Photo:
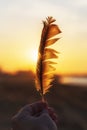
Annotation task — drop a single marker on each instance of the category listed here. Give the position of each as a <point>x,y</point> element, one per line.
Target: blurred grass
<point>69,102</point>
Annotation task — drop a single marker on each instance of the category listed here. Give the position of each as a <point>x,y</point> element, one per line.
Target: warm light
<point>31,55</point>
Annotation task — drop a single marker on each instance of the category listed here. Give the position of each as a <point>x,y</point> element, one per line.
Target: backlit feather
<point>45,65</point>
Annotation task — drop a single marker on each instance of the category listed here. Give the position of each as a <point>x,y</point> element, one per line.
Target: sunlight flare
<point>31,55</point>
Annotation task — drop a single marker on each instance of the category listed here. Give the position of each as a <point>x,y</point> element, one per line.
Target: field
<point>69,102</point>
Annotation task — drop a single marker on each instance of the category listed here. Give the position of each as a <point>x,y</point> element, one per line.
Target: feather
<point>45,68</point>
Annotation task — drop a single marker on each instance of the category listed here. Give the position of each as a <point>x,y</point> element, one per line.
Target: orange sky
<point>20,30</point>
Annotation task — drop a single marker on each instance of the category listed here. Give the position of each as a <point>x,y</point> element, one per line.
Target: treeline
<point>20,84</point>
<point>20,78</point>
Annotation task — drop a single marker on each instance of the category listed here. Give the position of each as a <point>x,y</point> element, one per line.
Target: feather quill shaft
<point>45,66</point>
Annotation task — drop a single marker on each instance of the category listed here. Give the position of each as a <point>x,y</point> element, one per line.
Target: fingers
<point>52,114</point>
<point>38,112</point>
<point>37,108</point>
<point>45,120</point>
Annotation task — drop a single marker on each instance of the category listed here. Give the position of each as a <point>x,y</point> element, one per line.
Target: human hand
<point>36,116</point>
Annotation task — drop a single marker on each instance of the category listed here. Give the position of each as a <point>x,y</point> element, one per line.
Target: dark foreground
<point>69,102</point>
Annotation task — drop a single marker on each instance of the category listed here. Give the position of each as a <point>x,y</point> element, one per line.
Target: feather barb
<point>45,67</point>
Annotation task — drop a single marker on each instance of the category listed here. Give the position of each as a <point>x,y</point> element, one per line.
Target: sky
<point>20,31</point>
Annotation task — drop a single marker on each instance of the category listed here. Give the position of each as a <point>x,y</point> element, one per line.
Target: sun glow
<point>31,55</point>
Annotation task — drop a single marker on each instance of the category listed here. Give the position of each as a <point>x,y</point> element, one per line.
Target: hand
<point>36,116</point>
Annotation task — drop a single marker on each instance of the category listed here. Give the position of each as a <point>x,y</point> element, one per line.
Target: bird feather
<point>45,68</point>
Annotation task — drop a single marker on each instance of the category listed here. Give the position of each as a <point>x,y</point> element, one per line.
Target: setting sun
<point>31,55</point>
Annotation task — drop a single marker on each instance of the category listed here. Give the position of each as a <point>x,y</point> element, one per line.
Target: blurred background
<point>20,31</point>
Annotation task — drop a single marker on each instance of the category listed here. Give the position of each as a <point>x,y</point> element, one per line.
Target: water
<point>80,81</point>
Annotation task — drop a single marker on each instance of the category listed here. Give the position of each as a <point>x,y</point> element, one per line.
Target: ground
<point>69,102</point>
